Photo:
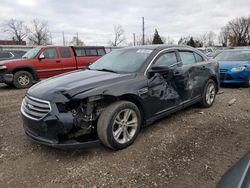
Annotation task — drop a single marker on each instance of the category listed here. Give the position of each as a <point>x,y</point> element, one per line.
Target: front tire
<point>22,79</point>
<point>209,94</point>
<point>248,82</point>
<point>119,125</point>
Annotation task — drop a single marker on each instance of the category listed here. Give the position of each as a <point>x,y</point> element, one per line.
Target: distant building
<point>12,42</point>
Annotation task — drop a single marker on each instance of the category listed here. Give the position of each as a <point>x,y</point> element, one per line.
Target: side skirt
<point>181,106</point>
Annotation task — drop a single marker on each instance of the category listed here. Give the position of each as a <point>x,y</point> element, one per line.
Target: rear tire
<point>22,79</point>
<point>209,94</point>
<point>119,125</point>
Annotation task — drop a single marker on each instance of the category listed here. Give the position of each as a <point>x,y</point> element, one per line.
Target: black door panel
<point>162,92</point>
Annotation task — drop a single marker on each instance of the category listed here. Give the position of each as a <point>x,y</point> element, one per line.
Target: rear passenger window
<point>187,58</point>
<point>167,59</point>
<point>65,53</point>
<point>100,52</point>
<point>80,52</point>
<point>91,52</point>
<point>198,58</point>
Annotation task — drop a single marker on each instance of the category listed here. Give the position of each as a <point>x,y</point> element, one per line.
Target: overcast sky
<point>94,19</point>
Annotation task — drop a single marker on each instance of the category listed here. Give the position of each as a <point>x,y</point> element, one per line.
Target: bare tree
<point>167,40</point>
<point>76,41</point>
<point>223,36</point>
<point>203,39</point>
<point>206,39</point>
<point>16,29</point>
<point>147,41</point>
<point>119,36</point>
<point>211,37</point>
<point>39,33</point>
<point>237,32</point>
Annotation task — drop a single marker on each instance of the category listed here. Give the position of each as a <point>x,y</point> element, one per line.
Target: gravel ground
<point>191,148</point>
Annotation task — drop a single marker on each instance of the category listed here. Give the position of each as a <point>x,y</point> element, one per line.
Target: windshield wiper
<point>105,70</point>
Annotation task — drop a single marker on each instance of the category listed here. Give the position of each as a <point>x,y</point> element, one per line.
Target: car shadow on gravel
<point>5,87</point>
<point>195,108</point>
<point>232,86</point>
<point>100,149</point>
<point>76,153</point>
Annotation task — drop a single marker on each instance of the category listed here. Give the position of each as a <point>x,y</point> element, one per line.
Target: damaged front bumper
<point>6,78</point>
<point>70,144</point>
<point>53,129</point>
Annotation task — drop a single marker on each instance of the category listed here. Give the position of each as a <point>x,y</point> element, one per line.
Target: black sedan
<point>118,94</point>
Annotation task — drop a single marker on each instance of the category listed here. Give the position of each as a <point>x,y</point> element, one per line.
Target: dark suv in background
<point>6,55</point>
<point>118,94</point>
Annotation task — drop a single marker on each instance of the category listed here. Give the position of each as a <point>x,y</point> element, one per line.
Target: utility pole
<point>143,32</point>
<point>134,38</point>
<point>51,38</point>
<point>77,40</point>
<point>63,38</point>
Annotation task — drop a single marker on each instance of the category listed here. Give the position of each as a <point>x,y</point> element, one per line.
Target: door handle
<point>58,61</point>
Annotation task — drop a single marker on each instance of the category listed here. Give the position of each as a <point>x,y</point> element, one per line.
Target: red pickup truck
<point>44,62</point>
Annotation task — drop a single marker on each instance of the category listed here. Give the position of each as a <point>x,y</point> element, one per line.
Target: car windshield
<point>122,61</point>
<point>240,55</point>
<point>31,53</point>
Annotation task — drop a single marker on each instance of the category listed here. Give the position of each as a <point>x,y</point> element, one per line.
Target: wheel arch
<point>213,77</point>
<point>29,69</point>
<point>109,99</point>
<point>137,101</point>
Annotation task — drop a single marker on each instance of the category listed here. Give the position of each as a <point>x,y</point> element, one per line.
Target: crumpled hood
<point>71,84</point>
<point>232,64</point>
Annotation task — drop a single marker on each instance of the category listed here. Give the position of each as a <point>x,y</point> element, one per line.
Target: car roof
<point>160,46</point>
<point>229,50</point>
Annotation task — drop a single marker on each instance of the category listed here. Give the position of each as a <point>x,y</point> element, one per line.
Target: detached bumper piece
<point>69,144</point>
<point>50,138</point>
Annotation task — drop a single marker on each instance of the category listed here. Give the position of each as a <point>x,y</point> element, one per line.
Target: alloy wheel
<point>124,126</point>
<point>210,94</point>
<point>23,80</point>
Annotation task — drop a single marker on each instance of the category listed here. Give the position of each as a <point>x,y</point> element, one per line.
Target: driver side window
<point>167,59</point>
<point>50,53</point>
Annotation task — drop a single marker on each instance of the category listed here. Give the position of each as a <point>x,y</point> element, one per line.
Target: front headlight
<point>3,67</point>
<point>238,69</point>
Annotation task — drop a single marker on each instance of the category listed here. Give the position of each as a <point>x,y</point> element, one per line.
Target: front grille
<point>222,76</point>
<point>34,108</point>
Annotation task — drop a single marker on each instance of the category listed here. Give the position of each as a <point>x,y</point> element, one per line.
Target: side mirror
<point>161,69</point>
<point>41,56</point>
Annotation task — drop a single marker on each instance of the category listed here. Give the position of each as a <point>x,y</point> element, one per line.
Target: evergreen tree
<point>191,42</point>
<point>157,39</point>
